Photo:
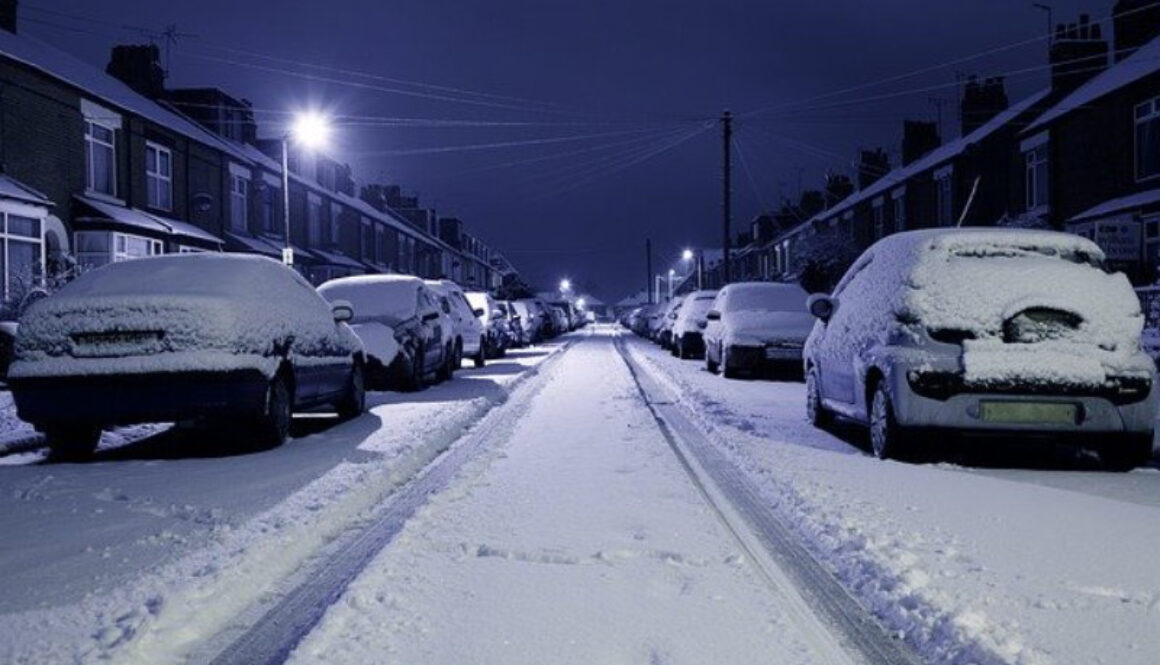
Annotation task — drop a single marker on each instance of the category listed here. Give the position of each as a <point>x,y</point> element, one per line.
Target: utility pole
<point>648,273</point>
<point>727,194</point>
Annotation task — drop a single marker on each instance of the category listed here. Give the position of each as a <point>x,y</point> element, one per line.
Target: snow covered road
<point>580,539</point>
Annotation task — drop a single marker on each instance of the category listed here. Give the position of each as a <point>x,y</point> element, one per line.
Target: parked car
<point>531,321</point>
<point>690,324</point>
<point>515,323</point>
<point>494,321</point>
<point>468,329</point>
<point>668,318</point>
<point>984,332</point>
<point>224,338</point>
<point>406,336</point>
<point>560,323</point>
<point>754,326</point>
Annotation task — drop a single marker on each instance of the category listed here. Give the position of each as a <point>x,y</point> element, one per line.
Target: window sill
<point>101,196</point>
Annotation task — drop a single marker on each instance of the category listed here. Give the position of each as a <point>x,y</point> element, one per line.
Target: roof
<point>105,88</point>
<point>943,153</point>
<point>11,188</point>
<point>1122,204</point>
<point>267,246</point>
<point>337,259</point>
<point>145,221</point>
<point>1144,62</point>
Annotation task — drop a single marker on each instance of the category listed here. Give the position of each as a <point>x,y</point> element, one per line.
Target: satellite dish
<point>203,201</point>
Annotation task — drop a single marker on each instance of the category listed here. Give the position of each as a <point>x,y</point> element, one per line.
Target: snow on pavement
<point>580,540</point>
<point>968,565</point>
<point>157,543</point>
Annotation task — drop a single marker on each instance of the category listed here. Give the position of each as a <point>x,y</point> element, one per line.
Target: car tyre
<point>818,415</point>
<point>271,426</point>
<point>480,358</point>
<point>445,371</point>
<point>1127,452</point>
<point>888,439</point>
<point>354,402</point>
<point>710,366</point>
<point>727,371</point>
<point>418,362</point>
<point>72,441</point>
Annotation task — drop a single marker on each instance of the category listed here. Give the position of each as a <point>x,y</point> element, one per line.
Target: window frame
<point>1036,159</point>
<point>156,181</point>
<point>1150,116</point>
<point>91,141</point>
<point>240,197</point>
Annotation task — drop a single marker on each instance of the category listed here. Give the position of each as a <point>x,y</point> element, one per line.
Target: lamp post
<point>311,131</point>
<point>672,274</point>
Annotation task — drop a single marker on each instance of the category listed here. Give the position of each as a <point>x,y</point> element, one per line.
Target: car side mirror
<point>430,316</point>
<point>822,306</point>
<point>478,311</point>
<point>342,311</point>
<point>702,324</point>
<point>713,315</point>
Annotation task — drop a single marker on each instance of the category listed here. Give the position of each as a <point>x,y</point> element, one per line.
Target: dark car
<point>226,339</point>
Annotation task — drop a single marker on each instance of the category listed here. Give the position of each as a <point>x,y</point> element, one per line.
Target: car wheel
<point>819,416</point>
<point>354,402</point>
<point>1127,452</point>
<point>727,371</point>
<point>710,366</point>
<point>72,441</point>
<point>480,358</point>
<point>418,362</point>
<point>272,425</point>
<point>888,439</point>
<point>444,372</point>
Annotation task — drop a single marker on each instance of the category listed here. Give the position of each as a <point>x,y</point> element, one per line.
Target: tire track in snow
<point>780,559</point>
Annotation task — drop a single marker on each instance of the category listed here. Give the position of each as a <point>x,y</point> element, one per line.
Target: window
<point>1148,139</point>
<point>1035,176</point>
<point>380,245</point>
<point>239,187</point>
<point>878,216</point>
<point>899,197</point>
<point>335,217</point>
<point>314,220</point>
<point>97,248</point>
<point>944,199</point>
<point>21,253</point>
<point>100,158</point>
<point>366,240</point>
<point>158,177</point>
<point>269,197</point>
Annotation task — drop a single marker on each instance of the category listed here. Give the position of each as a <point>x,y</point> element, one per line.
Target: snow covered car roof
<point>765,296</point>
<point>389,297</point>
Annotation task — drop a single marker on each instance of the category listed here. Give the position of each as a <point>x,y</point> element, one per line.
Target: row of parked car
<point>239,343</point>
<point>971,334</point>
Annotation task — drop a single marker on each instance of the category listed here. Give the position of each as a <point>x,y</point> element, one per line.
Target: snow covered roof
<point>636,299</point>
<point>1145,61</point>
<point>337,259</point>
<point>1124,203</point>
<point>266,246</point>
<point>11,188</point>
<point>97,84</point>
<point>145,221</point>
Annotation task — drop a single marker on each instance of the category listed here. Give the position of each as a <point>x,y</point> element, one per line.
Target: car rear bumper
<point>692,343</point>
<point>126,399</point>
<point>966,412</point>
<point>756,358</point>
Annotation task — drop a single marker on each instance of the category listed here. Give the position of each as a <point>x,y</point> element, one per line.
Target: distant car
<point>469,331</point>
<point>754,326</point>
<point>487,310</point>
<point>560,322</point>
<point>515,324</point>
<point>531,321</point>
<point>668,318</point>
<point>225,338</point>
<point>397,317</point>
<point>690,324</point>
<point>984,332</point>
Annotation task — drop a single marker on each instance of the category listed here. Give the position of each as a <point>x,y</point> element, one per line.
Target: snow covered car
<point>222,338</point>
<point>469,333</point>
<point>530,321</point>
<point>398,319</point>
<point>493,320</point>
<point>668,318</point>
<point>984,332</point>
<point>515,323</point>
<point>754,326</point>
<point>690,325</point>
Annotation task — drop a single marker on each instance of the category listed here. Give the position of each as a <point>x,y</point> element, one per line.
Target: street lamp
<point>672,274</point>
<point>310,130</point>
<point>565,286</point>
<point>687,256</point>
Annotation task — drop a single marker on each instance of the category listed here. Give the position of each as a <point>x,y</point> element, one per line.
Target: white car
<point>754,326</point>
<point>469,330</point>
<point>688,329</point>
<point>221,338</point>
<point>984,333</point>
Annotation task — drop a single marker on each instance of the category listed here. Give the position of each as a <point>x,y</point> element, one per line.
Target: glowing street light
<point>311,130</point>
<point>565,286</point>
<point>687,255</point>
<point>580,304</point>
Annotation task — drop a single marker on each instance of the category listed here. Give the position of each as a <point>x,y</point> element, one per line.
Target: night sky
<point>604,99</point>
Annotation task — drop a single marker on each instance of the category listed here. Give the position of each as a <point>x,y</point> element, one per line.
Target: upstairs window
<point>878,215</point>
<point>944,199</point>
<point>1148,139</point>
<point>158,177</point>
<point>1035,177</point>
<point>239,196</point>
<point>100,158</point>
<point>314,221</point>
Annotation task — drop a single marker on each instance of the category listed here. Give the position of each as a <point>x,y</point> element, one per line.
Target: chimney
<point>1136,23</point>
<point>918,138</point>
<point>872,165</point>
<point>838,187</point>
<point>811,203</point>
<point>1077,53</point>
<point>139,67</point>
<point>8,15</point>
<point>981,102</point>
<point>762,229</point>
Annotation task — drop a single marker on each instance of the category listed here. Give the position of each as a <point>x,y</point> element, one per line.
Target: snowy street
<point>536,510</point>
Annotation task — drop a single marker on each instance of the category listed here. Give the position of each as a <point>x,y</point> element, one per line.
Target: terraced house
<point>102,166</point>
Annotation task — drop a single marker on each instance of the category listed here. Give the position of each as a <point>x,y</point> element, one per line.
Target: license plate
<point>1029,413</point>
<point>781,353</point>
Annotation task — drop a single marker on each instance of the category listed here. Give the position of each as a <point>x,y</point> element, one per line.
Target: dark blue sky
<point>639,74</point>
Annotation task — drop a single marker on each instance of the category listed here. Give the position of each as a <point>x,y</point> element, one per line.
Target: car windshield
<point>213,275</point>
<point>389,301</point>
<point>767,298</point>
